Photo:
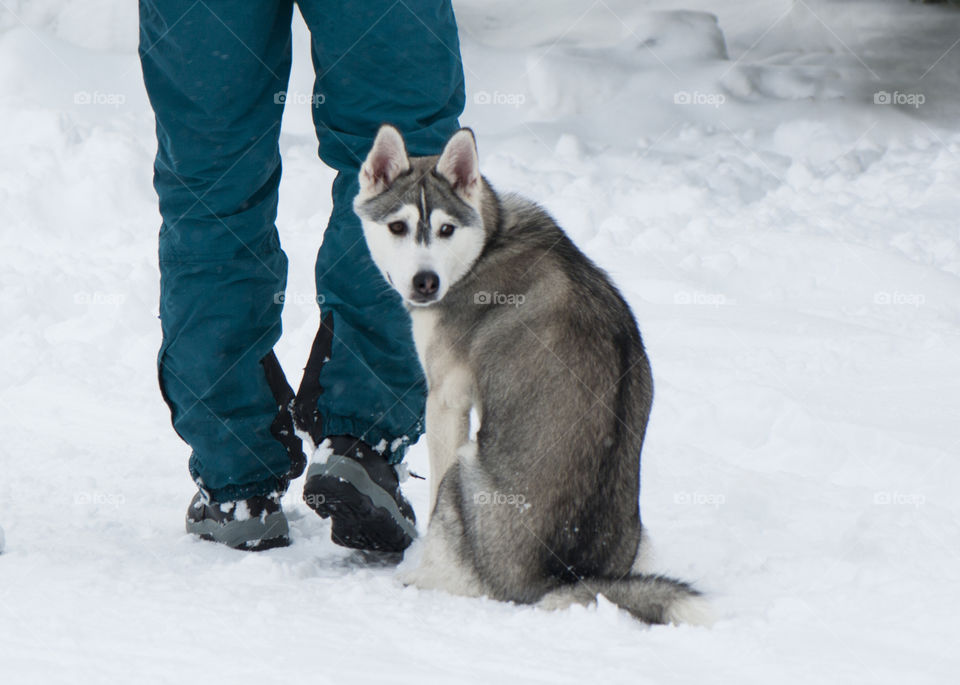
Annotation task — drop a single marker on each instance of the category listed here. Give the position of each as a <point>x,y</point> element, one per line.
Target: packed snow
<point>772,184</point>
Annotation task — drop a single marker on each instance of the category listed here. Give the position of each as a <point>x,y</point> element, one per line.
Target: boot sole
<point>252,545</point>
<point>251,535</point>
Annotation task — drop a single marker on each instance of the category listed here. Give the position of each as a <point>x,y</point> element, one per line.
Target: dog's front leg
<point>448,423</point>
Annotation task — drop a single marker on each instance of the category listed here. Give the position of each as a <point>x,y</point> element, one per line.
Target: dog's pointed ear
<point>460,165</point>
<point>387,160</point>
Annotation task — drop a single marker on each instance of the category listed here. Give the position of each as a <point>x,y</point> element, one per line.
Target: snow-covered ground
<point>776,192</point>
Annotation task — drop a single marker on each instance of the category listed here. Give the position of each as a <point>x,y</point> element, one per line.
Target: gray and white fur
<point>512,321</point>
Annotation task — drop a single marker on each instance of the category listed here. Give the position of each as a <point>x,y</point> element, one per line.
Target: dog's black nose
<point>426,283</point>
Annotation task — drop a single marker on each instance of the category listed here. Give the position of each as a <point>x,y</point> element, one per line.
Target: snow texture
<point>774,188</point>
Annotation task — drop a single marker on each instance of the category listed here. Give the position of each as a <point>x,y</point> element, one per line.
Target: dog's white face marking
<point>401,257</point>
<point>425,231</point>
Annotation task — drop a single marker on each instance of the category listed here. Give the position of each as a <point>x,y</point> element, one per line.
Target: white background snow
<point>787,238</point>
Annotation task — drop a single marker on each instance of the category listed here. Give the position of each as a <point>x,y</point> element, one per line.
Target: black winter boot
<point>360,491</point>
<point>253,524</point>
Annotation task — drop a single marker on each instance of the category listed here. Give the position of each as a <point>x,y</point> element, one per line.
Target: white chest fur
<point>424,334</point>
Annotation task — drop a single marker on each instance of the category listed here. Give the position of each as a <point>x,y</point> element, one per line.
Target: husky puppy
<point>512,321</point>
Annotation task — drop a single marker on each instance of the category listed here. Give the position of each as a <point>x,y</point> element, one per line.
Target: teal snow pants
<point>216,73</point>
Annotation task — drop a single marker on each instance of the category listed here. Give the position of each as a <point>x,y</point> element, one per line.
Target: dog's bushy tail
<point>650,598</point>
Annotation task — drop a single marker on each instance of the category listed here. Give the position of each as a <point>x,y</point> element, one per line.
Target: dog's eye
<point>397,227</point>
<point>446,230</point>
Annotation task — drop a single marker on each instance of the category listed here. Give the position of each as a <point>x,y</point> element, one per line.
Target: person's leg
<point>376,62</point>
<point>212,72</point>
